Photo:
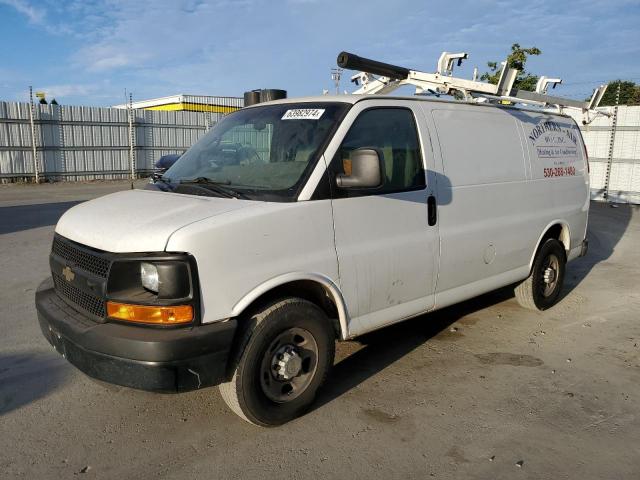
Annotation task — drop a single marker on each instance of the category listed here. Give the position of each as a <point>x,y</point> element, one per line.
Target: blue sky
<point>88,52</point>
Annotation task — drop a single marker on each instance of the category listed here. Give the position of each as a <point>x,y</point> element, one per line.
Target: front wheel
<point>285,353</point>
<point>541,289</point>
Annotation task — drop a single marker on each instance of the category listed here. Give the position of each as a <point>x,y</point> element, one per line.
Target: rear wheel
<point>285,354</point>
<point>542,288</point>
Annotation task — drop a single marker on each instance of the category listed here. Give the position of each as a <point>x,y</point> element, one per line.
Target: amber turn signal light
<point>172,315</point>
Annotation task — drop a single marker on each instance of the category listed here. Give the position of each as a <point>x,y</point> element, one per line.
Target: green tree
<point>629,93</point>
<point>517,59</point>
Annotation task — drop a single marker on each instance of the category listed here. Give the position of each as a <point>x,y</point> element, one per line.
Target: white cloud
<point>98,93</point>
<point>136,34</point>
<point>35,15</point>
<point>71,90</point>
<point>108,63</point>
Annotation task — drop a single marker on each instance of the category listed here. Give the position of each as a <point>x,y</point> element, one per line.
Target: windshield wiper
<point>160,178</point>
<point>221,188</point>
<point>166,182</point>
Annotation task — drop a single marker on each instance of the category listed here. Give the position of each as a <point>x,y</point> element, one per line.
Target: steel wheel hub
<point>286,363</point>
<point>549,275</point>
<point>550,270</point>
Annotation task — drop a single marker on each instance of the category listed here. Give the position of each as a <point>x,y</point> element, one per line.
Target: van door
<point>484,223</point>
<point>387,251</point>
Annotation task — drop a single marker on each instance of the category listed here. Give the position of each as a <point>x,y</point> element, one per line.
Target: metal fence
<point>613,144</point>
<point>87,143</point>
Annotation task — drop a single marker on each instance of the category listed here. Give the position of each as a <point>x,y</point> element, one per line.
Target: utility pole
<point>33,135</point>
<point>614,123</point>
<point>336,74</point>
<point>61,121</point>
<point>132,133</point>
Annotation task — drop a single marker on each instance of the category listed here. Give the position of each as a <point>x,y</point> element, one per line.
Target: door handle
<point>432,210</point>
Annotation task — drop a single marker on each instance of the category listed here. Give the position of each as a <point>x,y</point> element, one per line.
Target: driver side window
<point>392,132</point>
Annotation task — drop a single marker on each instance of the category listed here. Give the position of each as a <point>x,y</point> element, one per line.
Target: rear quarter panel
<point>559,186</point>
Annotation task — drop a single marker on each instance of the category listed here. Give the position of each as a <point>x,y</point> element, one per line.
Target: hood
<point>138,220</point>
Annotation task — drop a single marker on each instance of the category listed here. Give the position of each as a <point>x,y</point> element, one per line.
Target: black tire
<point>537,292</point>
<point>296,328</point>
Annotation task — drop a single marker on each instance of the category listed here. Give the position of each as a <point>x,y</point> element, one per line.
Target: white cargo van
<point>298,222</point>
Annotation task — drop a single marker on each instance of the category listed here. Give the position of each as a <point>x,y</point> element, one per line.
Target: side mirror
<point>365,170</point>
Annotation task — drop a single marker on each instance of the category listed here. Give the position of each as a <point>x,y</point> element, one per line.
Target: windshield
<point>263,152</point>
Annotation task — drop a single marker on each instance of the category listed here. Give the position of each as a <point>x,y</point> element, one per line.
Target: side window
<point>392,132</point>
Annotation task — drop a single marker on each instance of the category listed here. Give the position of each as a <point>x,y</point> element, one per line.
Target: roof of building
<point>180,98</point>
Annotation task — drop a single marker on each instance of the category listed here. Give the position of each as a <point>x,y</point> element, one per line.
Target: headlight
<point>157,289</point>
<point>149,276</point>
<point>150,279</point>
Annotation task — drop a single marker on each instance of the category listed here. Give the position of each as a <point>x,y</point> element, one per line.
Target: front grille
<point>83,259</point>
<point>87,302</point>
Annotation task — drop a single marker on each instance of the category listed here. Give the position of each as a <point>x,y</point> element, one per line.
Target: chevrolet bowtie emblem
<point>68,274</point>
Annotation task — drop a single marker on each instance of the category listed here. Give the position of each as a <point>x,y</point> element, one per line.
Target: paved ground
<point>481,390</point>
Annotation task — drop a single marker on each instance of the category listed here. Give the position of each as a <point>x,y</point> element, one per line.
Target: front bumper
<point>163,360</point>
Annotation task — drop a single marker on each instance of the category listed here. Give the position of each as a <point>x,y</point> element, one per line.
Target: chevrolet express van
<point>296,223</point>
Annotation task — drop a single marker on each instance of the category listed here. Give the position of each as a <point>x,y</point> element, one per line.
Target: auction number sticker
<point>303,114</point>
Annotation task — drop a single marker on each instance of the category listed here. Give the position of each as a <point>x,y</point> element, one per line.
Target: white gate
<point>623,159</point>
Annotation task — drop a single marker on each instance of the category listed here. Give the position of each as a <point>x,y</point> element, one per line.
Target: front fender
<point>330,287</point>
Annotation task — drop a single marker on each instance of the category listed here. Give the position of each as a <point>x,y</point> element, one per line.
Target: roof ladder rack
<point>381,78</point>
